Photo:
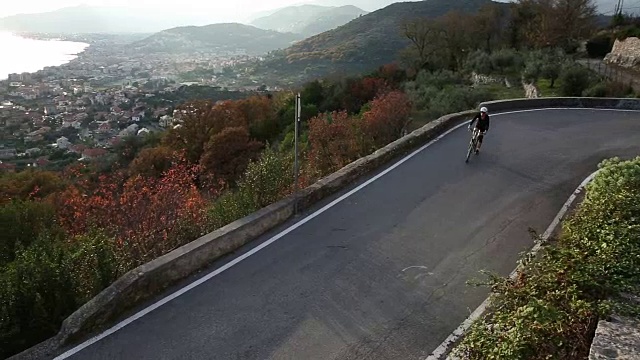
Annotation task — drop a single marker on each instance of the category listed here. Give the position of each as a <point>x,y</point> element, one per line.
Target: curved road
<point>381,275</point>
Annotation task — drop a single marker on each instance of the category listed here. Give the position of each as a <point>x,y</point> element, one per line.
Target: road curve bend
<point>382,274</point>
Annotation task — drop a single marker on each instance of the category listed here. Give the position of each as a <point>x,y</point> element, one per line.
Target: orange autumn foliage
<point>387,118</point>
<point>227,154</point>
<point>200,121</point>
<point>335,140</point>
<point>142,213</point>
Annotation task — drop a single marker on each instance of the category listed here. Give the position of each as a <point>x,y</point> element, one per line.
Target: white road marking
<point>445,347</point>
<point>415,267</point>
<point>303,221</point>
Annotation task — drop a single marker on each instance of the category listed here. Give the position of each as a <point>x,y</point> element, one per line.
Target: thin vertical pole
<point>297,121</point>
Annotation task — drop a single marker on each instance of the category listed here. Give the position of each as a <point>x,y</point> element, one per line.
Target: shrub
<point>37,292</point>
<point>21,222</point>
<point>444,92</point>
<point>456,99</point>
<point>96,262</point>
<point>543,63</point>
<point>29,184</point>
<point>618,89</point>
<point>575,80</point>
<point>229,207</point>
<point>609,89</point>
<point>48,281</point>
<point>421,96</point>
<point>532,70</point>
<point>480,62</point>
<point>597,90</point>
<point>507,61</point>
<point>599,46</point>
<point>268,179</point>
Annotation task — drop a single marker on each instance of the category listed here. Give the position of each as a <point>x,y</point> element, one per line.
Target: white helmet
<point>484,110</point>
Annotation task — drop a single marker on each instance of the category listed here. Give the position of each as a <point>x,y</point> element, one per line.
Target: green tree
<point>575,80</point>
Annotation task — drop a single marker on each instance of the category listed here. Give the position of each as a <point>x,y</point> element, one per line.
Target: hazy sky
<point>233,10</point>
<point>228,7</point>
<point>234,7</point>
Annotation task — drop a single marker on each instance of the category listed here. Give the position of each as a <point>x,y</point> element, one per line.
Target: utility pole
<point>295,163</point>
<point>617,13</point>
<point>618,9</point>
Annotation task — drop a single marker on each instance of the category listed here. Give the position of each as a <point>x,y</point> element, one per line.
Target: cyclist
<point>482,125</point>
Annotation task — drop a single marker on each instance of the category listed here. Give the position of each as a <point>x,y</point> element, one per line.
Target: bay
<point>18,54</point>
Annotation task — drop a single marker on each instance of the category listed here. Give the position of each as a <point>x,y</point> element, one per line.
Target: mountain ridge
<point>308,19</point>
<point>222,37</point>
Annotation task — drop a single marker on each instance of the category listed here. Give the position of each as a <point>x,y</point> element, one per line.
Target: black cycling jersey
<point>482,124</point>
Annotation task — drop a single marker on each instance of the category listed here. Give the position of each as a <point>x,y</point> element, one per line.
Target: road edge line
<point>447,345</point>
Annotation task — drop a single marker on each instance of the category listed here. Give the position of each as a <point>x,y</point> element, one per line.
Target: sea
<point>29,55</point>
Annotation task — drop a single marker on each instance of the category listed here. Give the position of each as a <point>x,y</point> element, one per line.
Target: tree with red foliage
<point>387,118</point>
<point>262,117</point>
<point>145,214</point>
<point>363,91</point>
<point>227,154</point>
<point>200,121</point>
<point>29,184</point>
<point>335,140</point>
<point>152,162</point>
<point>392,74</point>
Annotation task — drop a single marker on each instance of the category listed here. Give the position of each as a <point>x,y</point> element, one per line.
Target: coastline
<point>65,50</point>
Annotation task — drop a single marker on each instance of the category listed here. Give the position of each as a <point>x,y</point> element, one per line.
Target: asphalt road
<point>382,274</point>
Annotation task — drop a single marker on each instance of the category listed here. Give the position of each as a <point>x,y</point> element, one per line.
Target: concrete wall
<point>150,279</point>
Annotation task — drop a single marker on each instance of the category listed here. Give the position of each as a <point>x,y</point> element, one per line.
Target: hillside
<point>308,20</point>
<point>231,37</point>
<point>362,44</point>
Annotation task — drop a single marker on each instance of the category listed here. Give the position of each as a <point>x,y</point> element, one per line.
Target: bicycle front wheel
<point>469,152</point>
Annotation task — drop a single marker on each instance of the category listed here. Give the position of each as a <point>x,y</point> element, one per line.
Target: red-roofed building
<point>4,167</point>
<point>104,127</point>
<point>94,153</point>
<point>78,149</point>
<point>115,141</point>
<point>41,161</point>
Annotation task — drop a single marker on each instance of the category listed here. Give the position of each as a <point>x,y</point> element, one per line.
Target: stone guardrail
<point>148,280</point>
<point>567,102</point>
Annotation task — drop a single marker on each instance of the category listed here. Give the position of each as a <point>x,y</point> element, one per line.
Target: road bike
<point>473,144</point>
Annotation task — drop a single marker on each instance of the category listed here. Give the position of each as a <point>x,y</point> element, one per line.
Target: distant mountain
<point>308,20</point>
<point>361,45</point>
<point>231,37</point>
<point>369,5</point>
<point>103,19</point>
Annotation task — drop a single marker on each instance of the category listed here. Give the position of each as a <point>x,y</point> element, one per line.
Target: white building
<point>63,143</point>
<point>166,121</point>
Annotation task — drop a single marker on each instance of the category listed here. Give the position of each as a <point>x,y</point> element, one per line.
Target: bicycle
<point>473,144</point>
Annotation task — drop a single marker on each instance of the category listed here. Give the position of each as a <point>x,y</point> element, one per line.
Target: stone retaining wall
<point>625,52</point>
<point>617,337</point>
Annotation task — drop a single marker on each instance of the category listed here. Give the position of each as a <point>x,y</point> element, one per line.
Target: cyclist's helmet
<point>484,110</point>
